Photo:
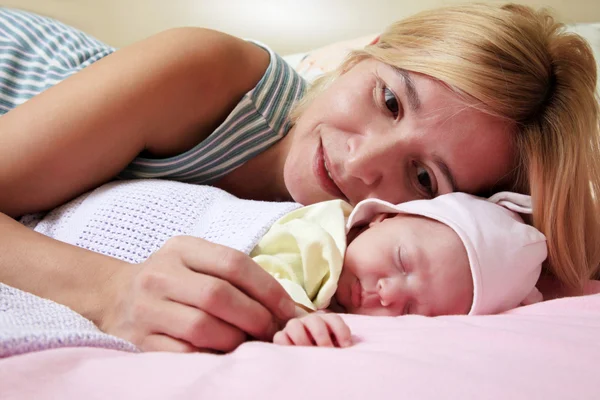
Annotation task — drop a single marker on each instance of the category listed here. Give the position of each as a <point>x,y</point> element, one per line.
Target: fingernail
<point>287,309</point>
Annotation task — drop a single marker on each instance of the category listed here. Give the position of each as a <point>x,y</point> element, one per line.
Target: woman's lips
<point>323,178</point>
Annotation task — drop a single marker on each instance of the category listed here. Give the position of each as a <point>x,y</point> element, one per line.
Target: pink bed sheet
<point>549,350</point>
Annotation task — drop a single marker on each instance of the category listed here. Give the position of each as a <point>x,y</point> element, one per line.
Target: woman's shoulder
<point>277,91</point>
<point>259,119</point>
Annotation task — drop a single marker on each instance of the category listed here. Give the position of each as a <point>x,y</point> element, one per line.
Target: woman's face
<point>398,136</point>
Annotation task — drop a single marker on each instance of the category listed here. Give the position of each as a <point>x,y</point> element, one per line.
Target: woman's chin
<point>304,194</point>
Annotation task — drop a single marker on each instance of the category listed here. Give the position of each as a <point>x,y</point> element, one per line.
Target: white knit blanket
<point>128,220</point>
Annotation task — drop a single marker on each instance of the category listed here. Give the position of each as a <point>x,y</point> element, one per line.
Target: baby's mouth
<point>356,294</point>
<point>368,299</point>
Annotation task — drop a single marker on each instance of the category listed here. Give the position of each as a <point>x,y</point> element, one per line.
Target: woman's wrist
<point>97,295</point>
<point>77,278</point>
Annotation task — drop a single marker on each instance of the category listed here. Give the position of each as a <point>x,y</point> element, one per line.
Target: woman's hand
<point>315,329</point>
<point>195,295</point>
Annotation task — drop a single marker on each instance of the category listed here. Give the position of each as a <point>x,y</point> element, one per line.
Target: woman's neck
<point>261,178</point>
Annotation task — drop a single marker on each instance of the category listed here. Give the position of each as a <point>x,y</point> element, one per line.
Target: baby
<point>455,254</point>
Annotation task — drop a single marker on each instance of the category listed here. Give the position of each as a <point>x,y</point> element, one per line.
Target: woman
<point>475,99</point>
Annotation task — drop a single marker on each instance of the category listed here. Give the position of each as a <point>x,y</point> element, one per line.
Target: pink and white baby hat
<point>505,254</point>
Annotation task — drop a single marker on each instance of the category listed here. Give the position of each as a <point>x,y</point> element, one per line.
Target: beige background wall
<point>286,25</point>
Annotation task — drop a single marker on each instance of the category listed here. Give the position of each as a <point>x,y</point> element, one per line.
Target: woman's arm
<point>55,270</point>
<point>190,295</point>
<point>163,95</point>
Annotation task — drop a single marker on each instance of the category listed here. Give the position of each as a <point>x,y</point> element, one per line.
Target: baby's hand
<point>316,329</point>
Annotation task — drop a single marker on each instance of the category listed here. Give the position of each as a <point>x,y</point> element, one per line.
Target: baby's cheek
<point>353,258</point>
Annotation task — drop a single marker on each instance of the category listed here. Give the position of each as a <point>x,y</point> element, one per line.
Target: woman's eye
<point>424,179</point>
<point>391,102</point>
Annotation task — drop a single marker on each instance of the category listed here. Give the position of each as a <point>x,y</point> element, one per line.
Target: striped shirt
<point>258,121</point>
<point>37,52</point>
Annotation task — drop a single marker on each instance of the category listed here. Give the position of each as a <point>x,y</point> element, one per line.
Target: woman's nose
<point>363,160</point>
<point>370,158</point>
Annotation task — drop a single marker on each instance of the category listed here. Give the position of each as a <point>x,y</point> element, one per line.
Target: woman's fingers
<point>147,312</point>
<point>236,268</point>
<point>207,295</point>
<point>223,302</point>
<point>196,327</point>
<point>158,342</point>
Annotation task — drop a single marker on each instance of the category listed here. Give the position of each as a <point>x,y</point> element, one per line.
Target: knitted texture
<point>128,220</point>
<point>29,323</point>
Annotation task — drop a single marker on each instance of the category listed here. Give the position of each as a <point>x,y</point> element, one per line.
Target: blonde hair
<point>521,65</point>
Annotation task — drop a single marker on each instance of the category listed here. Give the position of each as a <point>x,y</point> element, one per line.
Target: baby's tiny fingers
<point>296,332</point>
<point>281,338</point>
<point>339,330</point>
<point>319,330</point>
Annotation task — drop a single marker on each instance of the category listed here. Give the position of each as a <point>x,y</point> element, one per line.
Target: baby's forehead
<point>429,232</point>
<point>416,220</point>
<point>437,252</point>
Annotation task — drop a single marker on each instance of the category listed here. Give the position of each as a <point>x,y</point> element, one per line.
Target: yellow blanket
<point>304,250</point>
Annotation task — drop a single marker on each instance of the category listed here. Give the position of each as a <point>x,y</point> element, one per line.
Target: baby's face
<point>405,264</point>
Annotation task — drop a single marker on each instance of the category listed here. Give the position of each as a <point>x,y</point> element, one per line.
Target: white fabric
<point>30,323</point>
<point>130,220</point>
<point>505,254</point>
<point>520,203</point>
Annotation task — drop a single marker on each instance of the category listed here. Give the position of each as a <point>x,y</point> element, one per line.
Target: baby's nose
<point>383,290</point>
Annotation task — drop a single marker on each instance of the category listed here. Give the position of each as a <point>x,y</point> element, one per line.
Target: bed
<point>547,350</point>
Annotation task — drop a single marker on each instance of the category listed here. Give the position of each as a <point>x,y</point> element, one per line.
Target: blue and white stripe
<point>258,121</point>
<point>38,52</point>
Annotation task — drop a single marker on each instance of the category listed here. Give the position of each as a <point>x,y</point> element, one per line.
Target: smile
<point>324,175</point>
<point>327,169</point>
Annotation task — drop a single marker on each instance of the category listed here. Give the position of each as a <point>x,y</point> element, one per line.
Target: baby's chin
<point>337,307</point>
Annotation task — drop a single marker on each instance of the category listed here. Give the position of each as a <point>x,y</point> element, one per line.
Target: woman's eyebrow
<point>409,86</point>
